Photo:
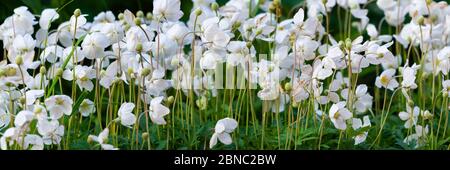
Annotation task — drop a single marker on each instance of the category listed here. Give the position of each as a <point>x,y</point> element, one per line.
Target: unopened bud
<point>348,43</point>
<point>140,14</point>
<point>139,47</point>
<point>170,100</point>
<point>42,70</point>
<point>420,20</point>
<point>145,135</point>
<point>130,71</point>
<point>249,45</point>
<point>145,72</point>
<point>410,103</point>
<point>22,100</point>
<point>294,104</point>
<point>19,60</point>
<point>434,18</point>
<point>288,86</point>
<point>120,16</point>
<point>198,12</point>
<point>236,25</point>
<point>259,31</point>
<point>272,7</point>
<point>77,12</point>
<point>137,21</point>
<point>320,17</point>
<point>214,6</point>
<point>90,139</point>
<point>59,72</point>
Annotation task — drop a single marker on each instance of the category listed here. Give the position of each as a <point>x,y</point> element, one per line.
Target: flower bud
<point>77,12</point>
<point>137,21</point>
<point>320,17</point>
<point>139,47</point>
<point>120,16</point>
<point>420,20</point>
<point>127,26</point>
<point>140,14</point>
<point>198,12</point>
<point>249,45</point>
<point>22,100</point>
<point>236,25</point>
<point>410,103</point>
<point>429,2</point>
<point>214,6</point>
<point>19,60</point>
<point>258,31</point>
<point>170,100</point>
<point>272,7</point>
<point>277,2</point>
<point>59,72</point>
<point>288,86</point>
<point>145,72</point>
<point>90,139</point>
<point>42,70</point>
<point>427,115</point>
<point>348,43</point>
<point>434,18</point>
<point>130,71</point>
<point>294,104</point>
<point>145,135</point>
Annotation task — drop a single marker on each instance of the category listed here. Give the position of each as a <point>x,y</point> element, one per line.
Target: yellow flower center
<point>384,80</point>
<point>336,115</point>
<point>59,101</point>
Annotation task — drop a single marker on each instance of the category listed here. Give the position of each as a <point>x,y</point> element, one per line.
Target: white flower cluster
<point>157,53</point>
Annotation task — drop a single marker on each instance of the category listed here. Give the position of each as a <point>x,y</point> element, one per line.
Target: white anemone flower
<point>358,124</point>
<point>32,95</point>
<point>23,117</point>
<point>222,131</point>
<point>363,99</point>
<point>86,107</point>
<point>83,76</point>
<point>410,116</point>
<point>420,137</point>
<point>339,115</point>
<point>35,141</point>
<point>94,45</point>
<point>409,77</point>
<point>158,111</point>
<point>47,16</point>
<point>102,139</point>
<point>446,87</point>
<point>58,105</point>
<point>167,9</point>
<point>50,131</point>
<point>125,116</point>
<point>387,80</point>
